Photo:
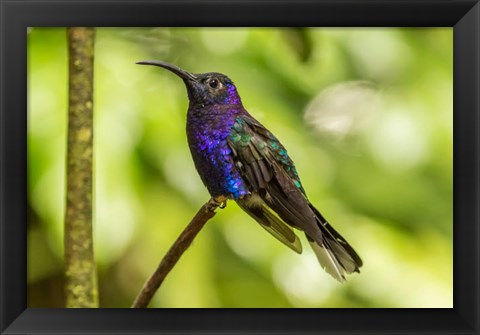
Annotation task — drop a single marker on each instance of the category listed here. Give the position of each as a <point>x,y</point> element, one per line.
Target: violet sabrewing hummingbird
<point>239,159</point>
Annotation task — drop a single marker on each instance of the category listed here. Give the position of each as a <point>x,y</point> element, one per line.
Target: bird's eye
<point>213,83</point>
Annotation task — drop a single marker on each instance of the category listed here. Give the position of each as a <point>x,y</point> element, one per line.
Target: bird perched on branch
<point>239,159</point>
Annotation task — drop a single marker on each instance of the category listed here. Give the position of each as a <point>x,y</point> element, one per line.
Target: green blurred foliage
<point>366,114</point>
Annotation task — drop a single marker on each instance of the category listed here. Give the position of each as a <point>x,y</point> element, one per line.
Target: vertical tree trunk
<point>80,270</point>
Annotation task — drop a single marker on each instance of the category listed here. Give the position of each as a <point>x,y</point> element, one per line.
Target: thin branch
<point>205,213</point>
<point>80,270</point>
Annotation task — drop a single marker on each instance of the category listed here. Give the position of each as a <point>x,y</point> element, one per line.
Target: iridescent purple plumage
<point>208,128</point>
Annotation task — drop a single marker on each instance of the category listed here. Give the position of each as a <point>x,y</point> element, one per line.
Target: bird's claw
<point>219,201</point>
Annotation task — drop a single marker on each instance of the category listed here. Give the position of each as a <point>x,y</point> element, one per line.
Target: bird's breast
<point>207,139</point>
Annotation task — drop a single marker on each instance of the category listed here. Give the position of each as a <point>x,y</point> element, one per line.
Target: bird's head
<point>203,88</point>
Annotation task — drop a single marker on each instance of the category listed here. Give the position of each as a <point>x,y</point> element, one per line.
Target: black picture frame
<point>17,15</point>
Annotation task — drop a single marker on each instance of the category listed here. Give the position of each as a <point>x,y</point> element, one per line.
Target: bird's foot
<point>220,201</point>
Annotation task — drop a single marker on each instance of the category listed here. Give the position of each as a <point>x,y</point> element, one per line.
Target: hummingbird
<point>239,159</point>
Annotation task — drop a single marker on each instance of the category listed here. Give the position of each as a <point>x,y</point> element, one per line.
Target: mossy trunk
<point>80,270</point>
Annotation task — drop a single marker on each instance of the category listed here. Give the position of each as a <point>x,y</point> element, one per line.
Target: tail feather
<point>328,260</point>
<point>269,220</point>
<point>334,253</point>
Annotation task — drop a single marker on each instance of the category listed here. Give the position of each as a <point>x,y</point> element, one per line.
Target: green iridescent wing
<point>265,166</point>
<point>259,148</point>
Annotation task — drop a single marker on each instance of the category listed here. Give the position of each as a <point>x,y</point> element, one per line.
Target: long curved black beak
<point>175,69</point>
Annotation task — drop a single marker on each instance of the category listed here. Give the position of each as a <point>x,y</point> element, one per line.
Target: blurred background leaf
<point>366,114</point>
